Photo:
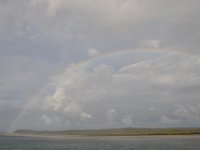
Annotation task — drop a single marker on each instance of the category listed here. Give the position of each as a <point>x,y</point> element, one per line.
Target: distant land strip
<point>116,132</point>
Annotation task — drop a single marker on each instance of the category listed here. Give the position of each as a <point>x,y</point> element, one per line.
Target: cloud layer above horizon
<point>99,64</point>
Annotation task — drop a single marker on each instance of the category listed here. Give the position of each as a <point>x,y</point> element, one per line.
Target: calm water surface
<point>101,143</point>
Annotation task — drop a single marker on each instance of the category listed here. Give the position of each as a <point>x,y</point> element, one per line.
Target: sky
<point>91,64</point>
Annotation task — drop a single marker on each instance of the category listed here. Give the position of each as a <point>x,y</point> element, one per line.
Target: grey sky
<point>68,64</point>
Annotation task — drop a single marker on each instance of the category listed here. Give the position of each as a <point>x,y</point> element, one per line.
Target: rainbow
<point>86,62</point>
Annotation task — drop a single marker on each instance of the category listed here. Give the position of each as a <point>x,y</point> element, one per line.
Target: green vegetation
<point>118,132</point>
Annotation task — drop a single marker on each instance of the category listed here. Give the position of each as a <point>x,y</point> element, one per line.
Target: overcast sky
<point>79,64</point>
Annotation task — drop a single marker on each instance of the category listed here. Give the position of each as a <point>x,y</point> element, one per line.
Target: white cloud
<point>76,88</point>
<point>153,43</point>
<point>188,113</point>
<point>46,119</point>
<point>165,120</point>
<point>170,69</point>
<point>93,52</point>
<point>127,120</point>
<point>111,116</point>
<point>55,120</point>
<point>79,90</point>
<point>55,33</point>
<point>85,116</point>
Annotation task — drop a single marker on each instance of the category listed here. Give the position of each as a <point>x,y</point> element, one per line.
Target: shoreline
<point>101,137</point>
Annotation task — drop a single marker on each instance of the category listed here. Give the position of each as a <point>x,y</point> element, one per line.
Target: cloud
<point>167,121</point>
<point>155,43</point>
<point>127,120</point>
<point>8,112</point>
<point>111,114</point>
<point>51,121</point>
<point>133,89</point>
<point>188,113</point>
<point>85,116</point>
<point>102,96</point>
<point>101,23</point>
<point>93,52</point>
<point>76,88</point>
<point>46,119</point>
<point>39,38</point>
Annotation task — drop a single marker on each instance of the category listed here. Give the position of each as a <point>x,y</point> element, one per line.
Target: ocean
<point>101,143</point>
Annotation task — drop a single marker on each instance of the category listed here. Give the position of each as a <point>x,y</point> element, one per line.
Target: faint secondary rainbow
<point>82,63</point>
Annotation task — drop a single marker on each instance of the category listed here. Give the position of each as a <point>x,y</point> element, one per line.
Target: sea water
<point>101,143</point>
